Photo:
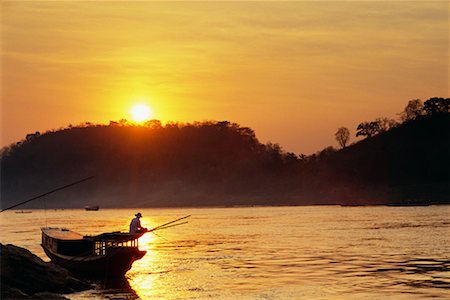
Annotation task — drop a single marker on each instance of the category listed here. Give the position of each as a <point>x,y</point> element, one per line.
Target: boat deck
<point>62,234</point>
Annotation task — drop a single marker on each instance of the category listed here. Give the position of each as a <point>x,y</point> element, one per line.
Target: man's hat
<point>138,215</point>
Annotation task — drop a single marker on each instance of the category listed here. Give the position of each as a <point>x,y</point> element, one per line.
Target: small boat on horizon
<point>108,255</point>
<point>92,207</point>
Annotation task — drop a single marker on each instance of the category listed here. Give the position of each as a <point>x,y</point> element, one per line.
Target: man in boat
<point>135,225</point>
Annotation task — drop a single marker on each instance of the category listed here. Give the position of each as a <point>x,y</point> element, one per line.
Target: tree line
<point>413,110</point>
<point>222,163</point>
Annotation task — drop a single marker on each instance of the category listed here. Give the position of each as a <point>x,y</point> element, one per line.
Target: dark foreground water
<point>320,252</point>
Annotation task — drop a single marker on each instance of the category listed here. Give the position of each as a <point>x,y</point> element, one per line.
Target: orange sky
<point>292,71</point>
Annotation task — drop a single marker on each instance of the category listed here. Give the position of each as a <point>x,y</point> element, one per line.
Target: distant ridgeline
<point>223,164</point>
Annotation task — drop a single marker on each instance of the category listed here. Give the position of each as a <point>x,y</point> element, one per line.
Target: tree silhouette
<point>413,109</point>
<point>155,124</point>
<point>123,122</point>
<point>386,123</point>
<point>368,129</point>
<point>342,136</point>
<point>436,106</point>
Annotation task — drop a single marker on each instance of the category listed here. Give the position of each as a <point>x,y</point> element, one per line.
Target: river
<point>305,252</point>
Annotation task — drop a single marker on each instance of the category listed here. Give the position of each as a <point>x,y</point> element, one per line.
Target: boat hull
<point>92,208</point>
<point>115,263</point>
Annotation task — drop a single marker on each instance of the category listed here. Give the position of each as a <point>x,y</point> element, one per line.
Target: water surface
<point>309,252</point>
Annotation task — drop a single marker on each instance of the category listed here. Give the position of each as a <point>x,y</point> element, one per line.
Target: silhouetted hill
<point>201,164</point>
<point>406,165</point>
<point>220,163</point>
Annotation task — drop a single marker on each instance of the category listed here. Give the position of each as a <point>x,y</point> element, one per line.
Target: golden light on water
<point>141,278</point>
<point>268,252</point>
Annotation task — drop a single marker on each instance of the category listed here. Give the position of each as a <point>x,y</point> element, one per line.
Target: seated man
<point>135,225</point>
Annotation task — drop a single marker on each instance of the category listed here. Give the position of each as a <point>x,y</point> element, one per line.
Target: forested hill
<point>221,164</point>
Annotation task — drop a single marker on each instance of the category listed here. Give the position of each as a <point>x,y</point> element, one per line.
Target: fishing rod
<point>163,226</point>
<point>160,236</point>
<point>45,194</point>
<point>173,225</point>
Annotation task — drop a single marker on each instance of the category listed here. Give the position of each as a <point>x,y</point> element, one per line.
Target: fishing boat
<point>108,255</point>
<point>92,207</point>
<point>105,256</point>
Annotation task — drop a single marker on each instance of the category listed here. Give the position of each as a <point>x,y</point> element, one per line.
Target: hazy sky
<point>292,71</point>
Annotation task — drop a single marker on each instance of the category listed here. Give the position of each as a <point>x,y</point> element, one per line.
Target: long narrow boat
<point>92,207</point>
<point>107,255</point>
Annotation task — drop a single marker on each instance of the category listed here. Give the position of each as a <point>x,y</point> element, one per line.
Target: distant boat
<point>92,207</point>
<point>108,255</point>
<point>23,212</point>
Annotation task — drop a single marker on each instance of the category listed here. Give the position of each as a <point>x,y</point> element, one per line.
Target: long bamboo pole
<point>173,225</point>
<point>45,194</point>
<point>171,222</point>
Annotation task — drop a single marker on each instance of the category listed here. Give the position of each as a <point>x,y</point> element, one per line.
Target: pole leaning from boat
<point>52,191</point>
<point>173,225</point>
<point>167,225</point>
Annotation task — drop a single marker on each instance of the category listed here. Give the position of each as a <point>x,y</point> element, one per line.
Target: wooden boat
<point>108,255</point>
<point>94,207</point>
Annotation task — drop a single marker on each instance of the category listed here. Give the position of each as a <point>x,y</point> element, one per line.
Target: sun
<point>141,112</point>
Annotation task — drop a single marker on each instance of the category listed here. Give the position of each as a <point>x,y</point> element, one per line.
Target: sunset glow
<point>287,149</point>
<point>141,112</point>
<point>278,67</point>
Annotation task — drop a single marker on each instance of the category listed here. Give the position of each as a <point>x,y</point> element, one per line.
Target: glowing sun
<point>141,112</point>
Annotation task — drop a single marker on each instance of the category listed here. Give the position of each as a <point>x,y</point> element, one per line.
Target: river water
<point>309,252</point>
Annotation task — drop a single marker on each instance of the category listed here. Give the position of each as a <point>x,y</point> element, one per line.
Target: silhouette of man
<point>135,225</point>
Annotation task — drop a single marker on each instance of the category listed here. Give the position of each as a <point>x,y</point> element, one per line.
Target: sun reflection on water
<point>141,277</point>
<point>268,253</point>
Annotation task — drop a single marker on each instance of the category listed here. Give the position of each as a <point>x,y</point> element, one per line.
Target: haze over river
<point>309,252</point>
